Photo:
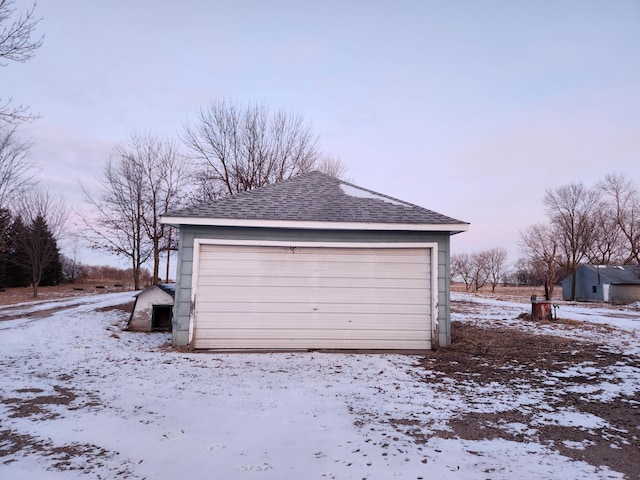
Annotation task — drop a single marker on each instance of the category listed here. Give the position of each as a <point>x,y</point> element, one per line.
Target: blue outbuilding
<point>618,284</point>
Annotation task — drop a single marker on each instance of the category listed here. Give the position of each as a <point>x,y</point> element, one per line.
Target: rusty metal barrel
<point>541,309</point>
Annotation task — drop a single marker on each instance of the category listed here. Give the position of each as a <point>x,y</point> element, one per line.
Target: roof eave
<point>313,225</point>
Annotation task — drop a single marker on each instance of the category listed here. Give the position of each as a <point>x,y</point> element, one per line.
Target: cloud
<point>66,158</point>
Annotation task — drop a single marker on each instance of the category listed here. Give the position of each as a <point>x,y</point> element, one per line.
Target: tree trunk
<point>547,295</point>
<point>156,261</point>
<point>136,275</point>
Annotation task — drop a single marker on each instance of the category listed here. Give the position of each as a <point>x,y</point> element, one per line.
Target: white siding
<point>623,294</point>
<point>306,297</point>
<point>143,308</point>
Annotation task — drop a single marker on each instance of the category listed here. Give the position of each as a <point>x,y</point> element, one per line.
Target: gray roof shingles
<point>617,274</point>
<point>316,197</point>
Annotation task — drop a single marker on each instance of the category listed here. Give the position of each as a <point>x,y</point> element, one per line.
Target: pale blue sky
<point>469,108</point>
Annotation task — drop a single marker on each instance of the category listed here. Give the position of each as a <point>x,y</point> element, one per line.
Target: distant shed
<point>618,284</point>
<point>153,309</point>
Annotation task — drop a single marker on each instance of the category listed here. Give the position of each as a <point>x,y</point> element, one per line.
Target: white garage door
<point>265,297</point>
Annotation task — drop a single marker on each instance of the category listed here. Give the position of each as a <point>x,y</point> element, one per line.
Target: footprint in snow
<point>255,468</point>
<point>179,435</point>
<point>215,446</point>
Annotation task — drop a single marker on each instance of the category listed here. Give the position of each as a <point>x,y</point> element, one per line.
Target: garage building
<point>312,262</point>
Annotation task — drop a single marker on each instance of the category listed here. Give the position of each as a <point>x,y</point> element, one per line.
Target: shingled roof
<point>317,198</point>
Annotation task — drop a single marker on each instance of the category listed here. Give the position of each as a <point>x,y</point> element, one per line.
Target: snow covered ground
<point>80,398</point>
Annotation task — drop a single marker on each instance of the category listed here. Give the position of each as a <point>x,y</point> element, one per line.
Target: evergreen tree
<point>29,254</point>
<point>40,249</point>
<point>52,273</point>
<point>15,254</point>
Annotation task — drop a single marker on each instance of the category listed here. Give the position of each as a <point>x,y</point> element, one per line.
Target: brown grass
<point>11,296</point>
<point>521,360</point>
<point>510,293</point>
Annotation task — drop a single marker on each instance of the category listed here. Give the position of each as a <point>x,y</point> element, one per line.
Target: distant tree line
<point>77,273</point>
<point>30,257</point>
<point>479,268</point>
<point>598,225</point>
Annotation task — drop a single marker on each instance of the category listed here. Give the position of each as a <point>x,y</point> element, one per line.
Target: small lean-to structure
<point>153,309</point>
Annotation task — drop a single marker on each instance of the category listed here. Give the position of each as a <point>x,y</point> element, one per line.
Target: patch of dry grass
<point>481,355</point>
<point>10,296</point>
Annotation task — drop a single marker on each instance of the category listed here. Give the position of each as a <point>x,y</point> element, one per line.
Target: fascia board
<point>306,225</point>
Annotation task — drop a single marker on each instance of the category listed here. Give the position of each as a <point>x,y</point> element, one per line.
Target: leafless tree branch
<point>16,167</point>
<point>238,149</point>
<point>17,45</point>
<point>570,209</point>
<point>144,178</point>
<point>623,200</point>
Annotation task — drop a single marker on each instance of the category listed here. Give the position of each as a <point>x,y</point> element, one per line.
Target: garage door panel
<point>319,294</point>
<point>306,344</point>
<point>341,324</point>
<point>310,254</point>
<point>303,309</point>
<point>310,338</point>
<point>280,297</point>
<point>236,277</point>
<point>292,269</point>
<point>339,320</point>
<point>297,265</point>
<point>303,332</point>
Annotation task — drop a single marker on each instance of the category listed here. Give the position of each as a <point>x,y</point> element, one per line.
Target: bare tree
<point>527,272</point>
<point>570,209</point>
<point>16,167</point>
<point>472,268</point>
<point>44,217</point>
<point>623,199</point>
<point>17,45</point>
<point>165,175</point>
<point>118,225</point>
<point>71,266</point>
<point>145,178</point>
<point>605,246</point>
<point>462,268</point>
<point>241,148</point>
<point>539,245</point>
<point>480,269</point>
<point>331,165</point>
<point>496,259</point>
